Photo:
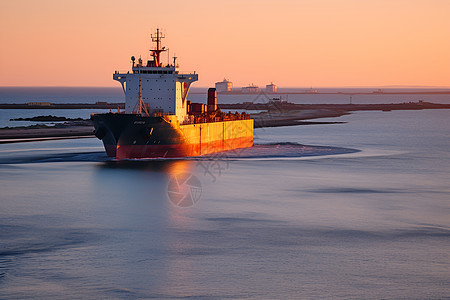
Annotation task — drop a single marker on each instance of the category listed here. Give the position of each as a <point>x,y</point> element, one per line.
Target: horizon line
<point>205,87</point>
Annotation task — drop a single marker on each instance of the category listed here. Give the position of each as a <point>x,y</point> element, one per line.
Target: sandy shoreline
<point>294,118</point>
<point>11,135</point>
<point>15,135</point>
<point>285,114</point>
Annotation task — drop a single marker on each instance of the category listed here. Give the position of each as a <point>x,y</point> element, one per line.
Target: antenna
<point>157,52</point>
<point>157,39</point>
<point>174,60</point>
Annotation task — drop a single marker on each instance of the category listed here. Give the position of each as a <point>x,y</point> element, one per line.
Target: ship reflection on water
<point>168,166</point>
<point>170,179</point>
<point>182,186</point>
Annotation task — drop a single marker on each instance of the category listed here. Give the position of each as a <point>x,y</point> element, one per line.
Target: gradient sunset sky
<point>303,43</point>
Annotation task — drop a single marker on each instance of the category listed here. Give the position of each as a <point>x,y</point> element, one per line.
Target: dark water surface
<point>355,210</point>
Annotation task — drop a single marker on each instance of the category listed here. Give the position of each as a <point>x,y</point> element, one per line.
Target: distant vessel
<point>224,86</point>
<point>159,121</point>
<point>271,88</point>
<point>250,89</point>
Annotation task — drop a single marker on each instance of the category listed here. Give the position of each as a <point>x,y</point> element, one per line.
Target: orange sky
<point>290,42</point>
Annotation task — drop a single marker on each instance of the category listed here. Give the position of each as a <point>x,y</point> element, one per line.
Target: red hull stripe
<point>180,150</point>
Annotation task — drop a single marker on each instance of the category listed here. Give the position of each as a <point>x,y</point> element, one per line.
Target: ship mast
<point>140,107</point>
<point>156,53</point>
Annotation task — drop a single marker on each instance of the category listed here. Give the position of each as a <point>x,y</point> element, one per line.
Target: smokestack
<point>212,100</point>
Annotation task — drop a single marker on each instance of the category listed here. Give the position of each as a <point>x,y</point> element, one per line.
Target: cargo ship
<point>160,122</point>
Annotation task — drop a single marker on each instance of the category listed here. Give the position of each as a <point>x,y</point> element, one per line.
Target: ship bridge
<point>162,89</point>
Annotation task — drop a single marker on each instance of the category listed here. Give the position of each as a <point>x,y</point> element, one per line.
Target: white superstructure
<point>271,88</point>
<point>224,86</point>
<point>162,88</point>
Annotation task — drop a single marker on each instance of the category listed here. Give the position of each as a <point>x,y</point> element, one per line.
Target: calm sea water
<point>357,211</point>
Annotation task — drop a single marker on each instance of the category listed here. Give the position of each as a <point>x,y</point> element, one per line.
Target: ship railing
<point>218,116</point>
<point>174,72</point>
<point>187,72</point>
